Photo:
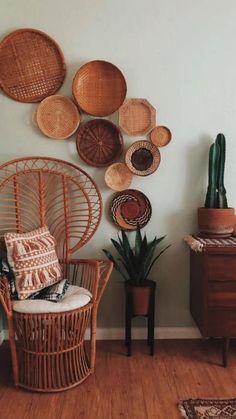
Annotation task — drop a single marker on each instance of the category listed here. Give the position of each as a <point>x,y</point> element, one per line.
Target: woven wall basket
<point>31,65</point>
<point>130,209</point>
<point>142,158</point>
<point>118,177</point>
<point>137,116</point>
<point>99,88</point>
<point>58,117</point>
<point>99,142</point>
<point>160,136</point>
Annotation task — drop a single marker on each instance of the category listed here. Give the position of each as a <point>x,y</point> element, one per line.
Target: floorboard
<point>136,387</point>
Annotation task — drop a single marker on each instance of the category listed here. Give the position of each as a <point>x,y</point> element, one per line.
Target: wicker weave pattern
<point>52,192</point>
<point>99,88</point>
<point>137,116</point>
<point>99,142</point>
<point>160,136</point>
<point>118,176</point>
<point>58,117</point>
<point>142,158</point>
<point>31,65</point>
<point>130,209</point>
<point>38,191</point>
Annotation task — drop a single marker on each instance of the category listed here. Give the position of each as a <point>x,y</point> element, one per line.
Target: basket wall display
<point>118,176</point>
<point>137,116</point>
<point>160,136</point>
<point>58,117</point>
<point>31,65</point>
<point>130,209</point>
<point>142,158</point>
<point>99,142</point>
<point>99,88</point>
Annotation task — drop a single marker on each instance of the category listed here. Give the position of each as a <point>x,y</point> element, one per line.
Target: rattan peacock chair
<point>48,350</point>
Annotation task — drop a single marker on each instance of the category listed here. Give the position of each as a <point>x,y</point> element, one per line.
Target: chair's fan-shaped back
<point>39,191</point>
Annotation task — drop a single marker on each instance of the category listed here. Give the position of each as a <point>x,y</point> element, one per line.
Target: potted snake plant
<point>134,265</point>
<point>216,219</point>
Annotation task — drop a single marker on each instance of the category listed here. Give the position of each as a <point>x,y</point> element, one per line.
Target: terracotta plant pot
<point>216,222</point>
<point>140,297</point>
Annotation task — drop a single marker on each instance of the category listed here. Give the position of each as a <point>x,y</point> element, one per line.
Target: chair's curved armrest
<point>5,298</point>
<point>92,274</point>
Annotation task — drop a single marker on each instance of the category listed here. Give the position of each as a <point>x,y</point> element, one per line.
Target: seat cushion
<point>33,259</point>
<point>75,297</point>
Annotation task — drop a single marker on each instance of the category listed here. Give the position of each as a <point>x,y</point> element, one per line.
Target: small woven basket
<point>142,158</point>
<point>160,136</point>
<point>99,88</point>
<point>58,117</point>
<point>32,65</point>
<point>118,177</point>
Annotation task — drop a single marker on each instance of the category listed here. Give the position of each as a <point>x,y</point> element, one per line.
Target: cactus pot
<point>216,222</point>
<point>140,297</point>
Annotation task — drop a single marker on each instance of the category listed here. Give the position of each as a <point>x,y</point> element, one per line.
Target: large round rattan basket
<point>31,65</point>
<point>99,88</point>
<point>58,117</point>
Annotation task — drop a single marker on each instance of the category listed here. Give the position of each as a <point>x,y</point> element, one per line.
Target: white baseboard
<point>137,333</point>
<point>2,336</point>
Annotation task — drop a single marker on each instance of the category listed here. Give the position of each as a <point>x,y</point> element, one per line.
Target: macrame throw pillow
<point>33,259</point>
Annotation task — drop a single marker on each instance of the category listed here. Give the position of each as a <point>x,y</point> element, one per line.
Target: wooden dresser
<point>213,292</point>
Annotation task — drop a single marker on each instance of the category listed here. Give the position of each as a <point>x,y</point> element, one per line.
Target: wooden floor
<point>136,387</point>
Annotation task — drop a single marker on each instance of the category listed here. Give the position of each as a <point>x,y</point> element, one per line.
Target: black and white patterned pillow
<point>6,271</point>
<point>52,293</point>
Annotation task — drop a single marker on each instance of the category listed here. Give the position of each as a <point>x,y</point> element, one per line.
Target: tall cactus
<point>216,193</point>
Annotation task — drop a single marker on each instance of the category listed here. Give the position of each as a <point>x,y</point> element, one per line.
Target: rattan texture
<point>50,355</point>
<point>142,158</point>
<point>137,116</point>
<point>99,142</point>
<point>52,192</point>
<point>32,65</point>
<point>99,88</point>
<point>58,117</point>
<point>130,209</point>
<point>160,136</point>
<point>118,177</point>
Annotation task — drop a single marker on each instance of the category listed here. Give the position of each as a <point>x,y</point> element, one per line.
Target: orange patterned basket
<point>118,176</point>
<point>58,117</point>
<point>99,142</point>
<point>137,116</point>
<point>130,209</point>
<point>99,88</point>
<point>31,65</point>
<point>160,136</point>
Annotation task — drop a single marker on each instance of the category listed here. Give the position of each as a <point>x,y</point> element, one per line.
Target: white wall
<point>180,55</point>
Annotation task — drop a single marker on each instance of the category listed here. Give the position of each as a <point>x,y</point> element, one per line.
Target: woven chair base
<point>52,355</point>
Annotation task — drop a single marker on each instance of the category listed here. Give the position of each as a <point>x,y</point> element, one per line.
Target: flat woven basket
<point>142,158</point>
<point>130,209</point>
<point>160,136</point>
<point>99,142</point>
<point>118,176</point>
<point>31,65</point>
<point>137,116</point>
<point>99,88</point>
<point>58,117</point>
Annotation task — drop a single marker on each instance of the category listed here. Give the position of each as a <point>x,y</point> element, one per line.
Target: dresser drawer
<point>221,294</point>
<point>221,267</point>
<point>221,322</point>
